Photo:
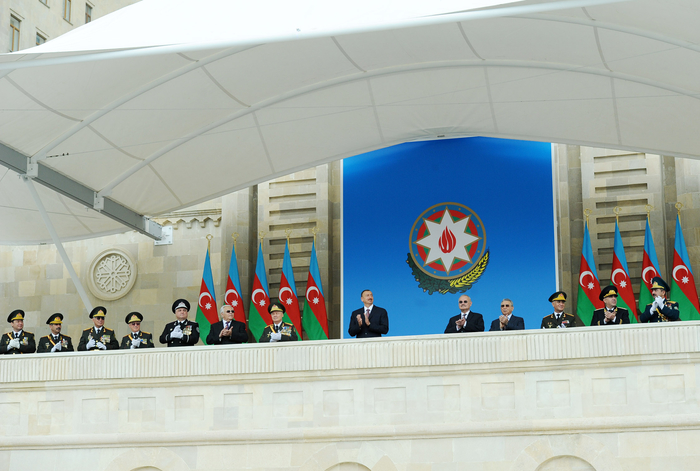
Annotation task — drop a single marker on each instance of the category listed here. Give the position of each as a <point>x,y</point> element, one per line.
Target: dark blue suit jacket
<point>515,323</point>
<point>378,323</point>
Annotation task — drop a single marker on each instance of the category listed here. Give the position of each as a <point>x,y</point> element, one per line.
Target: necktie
<point>367,312</point>
<point>227,324</point>
<point>277,328</point>
<point>55,339</point>
<point>16,335</point>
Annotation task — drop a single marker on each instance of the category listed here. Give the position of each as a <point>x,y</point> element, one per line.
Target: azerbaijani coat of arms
<point>447,249</point>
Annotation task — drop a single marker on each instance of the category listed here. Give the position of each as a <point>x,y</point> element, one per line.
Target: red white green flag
<point>207,313</point>
<point>232,297</point>
<point>314,317</point>
<point>588,283</point>
<point>288,292</point>
<point>650,269</point>
<point>258,317</point>
<point>620,276</point>
<point>683,289</point>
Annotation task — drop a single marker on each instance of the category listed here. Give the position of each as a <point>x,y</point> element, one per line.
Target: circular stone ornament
<point>112,274</point>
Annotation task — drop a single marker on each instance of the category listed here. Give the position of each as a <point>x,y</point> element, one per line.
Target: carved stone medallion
<point>112,274</point>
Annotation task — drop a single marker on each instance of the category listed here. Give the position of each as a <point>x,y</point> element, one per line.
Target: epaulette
<point>144,332</point>
<point>27,332</point>
<point>89,328</point>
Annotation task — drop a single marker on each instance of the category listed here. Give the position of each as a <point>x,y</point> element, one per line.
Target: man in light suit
<point>507,321</point>
<point>370,320</point>
<point>466,320</point>
<point>227,330</point>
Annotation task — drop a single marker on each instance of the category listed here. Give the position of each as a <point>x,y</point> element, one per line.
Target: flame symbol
<point>447,241</point>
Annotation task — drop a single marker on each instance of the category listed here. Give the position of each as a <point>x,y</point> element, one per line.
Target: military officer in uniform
<point>662,309</point>
<point>560,319</point>
<point>17,340</point>
<point>137,338</point>
<point>278,331</point>
<point>610,314</point>
<point>183,332</point>
<point>55,342</point>
<point>98,337</point>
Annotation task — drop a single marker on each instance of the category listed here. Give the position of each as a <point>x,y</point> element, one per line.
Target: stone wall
<point>602,398</point>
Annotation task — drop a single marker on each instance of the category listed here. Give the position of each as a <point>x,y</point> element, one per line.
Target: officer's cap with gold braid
<point>133,317</point>
<point>558,296</point>
<point>16,315</point>
<point>55,319</point>
<point>658,283</point>
<point>181,303</point>
<point>276,306</point>
<point>99,311</point>
<point>607,291</point>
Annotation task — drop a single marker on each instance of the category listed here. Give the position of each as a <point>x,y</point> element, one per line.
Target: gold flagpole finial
<point>587,212</point>
<point>287,232</point>
<point>234,236</point>
<point>648,209</point>
<point>617,210</point>
<point>262,236</point>
<point>209,238</point>
<point>314,230</point>
<point>679,205</point>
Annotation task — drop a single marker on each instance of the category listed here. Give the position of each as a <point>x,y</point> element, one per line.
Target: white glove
<point>653,306</point>
<point>14,343</point>
<point>176,333</point>
<point>562,326</point>
<point>659,301</point>
<point>135,343</point>
<point>56,348</point>
<point>90,344</point>
<point>101,346</point>
<point>275,337</point>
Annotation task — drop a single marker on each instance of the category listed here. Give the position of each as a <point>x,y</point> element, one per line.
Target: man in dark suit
<point>98,337</point>
<point>278,331</point>
<point>466,320</point>
<point>137,338</point>
<point>370,320</point>
<point>662,309</point>
<point>183,332</point>
<point>55,342</point>
<point>17,340</point>
<point>227,330</point>
<point>610,314</point>
<point>560,319</point>
<point>507,321</point>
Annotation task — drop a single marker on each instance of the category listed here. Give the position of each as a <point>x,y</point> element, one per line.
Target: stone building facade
<point>33,277</point>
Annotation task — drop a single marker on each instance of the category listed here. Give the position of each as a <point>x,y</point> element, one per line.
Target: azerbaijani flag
<point>315,319</point>
<point>233,289</point>
<point>650,269</point>
<point>620,276</point>
<point>683,281</point>
<point>288,292</point>
<point>258,317</point>
<point>588,283</point>
<point>207,313</point>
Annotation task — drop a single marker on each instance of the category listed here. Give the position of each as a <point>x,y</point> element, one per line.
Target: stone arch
<point>574,451</point>
<point>148,459</point>
<point>365,456</point>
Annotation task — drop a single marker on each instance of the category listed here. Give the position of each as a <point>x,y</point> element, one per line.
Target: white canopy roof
<point>168,103</point>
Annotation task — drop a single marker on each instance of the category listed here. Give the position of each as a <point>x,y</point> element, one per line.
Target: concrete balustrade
<point>596,398</point>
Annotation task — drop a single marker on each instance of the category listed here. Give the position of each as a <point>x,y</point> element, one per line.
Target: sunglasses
<point>228,312</point>
<point>463,302</point>
<point>505,305</point>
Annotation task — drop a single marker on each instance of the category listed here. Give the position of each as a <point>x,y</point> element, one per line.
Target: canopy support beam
<point>78,192</point>
<point>58,244</point>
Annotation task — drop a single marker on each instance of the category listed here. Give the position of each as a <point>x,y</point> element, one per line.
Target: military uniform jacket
<point>189,329</point>
<point>26,343</point>
<point>286,329</point>
<point>47,343</point>
<point>106,336</point>
<point>566,320</point>
<point>622,316</point>
<point>146,340</point>
<point>669,313</point>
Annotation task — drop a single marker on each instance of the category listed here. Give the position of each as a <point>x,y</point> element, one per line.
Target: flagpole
<point>617,210</point>
<point>234,236</point>
<point>648,208</point>
<point>587,212</point>
<point>679,205</point>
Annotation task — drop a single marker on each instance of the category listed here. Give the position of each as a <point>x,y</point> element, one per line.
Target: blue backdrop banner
<point>425,222</point>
